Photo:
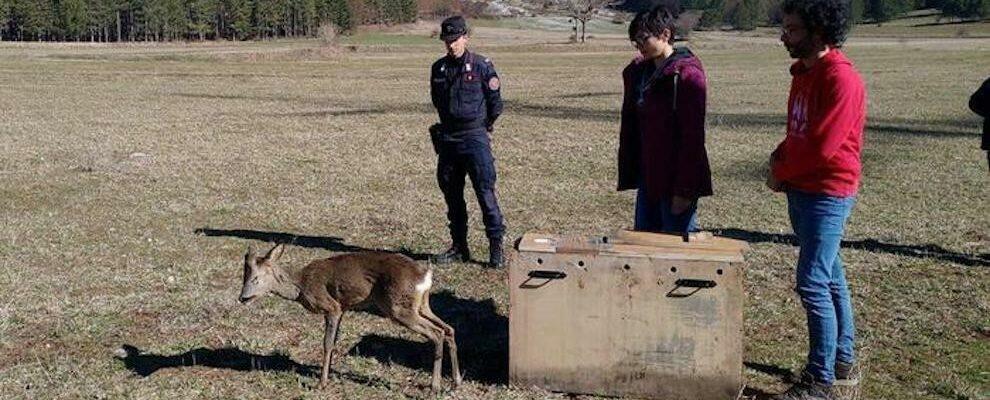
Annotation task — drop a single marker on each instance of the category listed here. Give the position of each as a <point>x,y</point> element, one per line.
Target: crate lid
<point>700,246</point>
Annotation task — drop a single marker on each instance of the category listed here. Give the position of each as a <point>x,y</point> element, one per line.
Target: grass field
<point>133,178</point>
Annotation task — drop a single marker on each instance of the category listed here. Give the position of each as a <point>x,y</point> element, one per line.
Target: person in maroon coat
<point>662,138</point>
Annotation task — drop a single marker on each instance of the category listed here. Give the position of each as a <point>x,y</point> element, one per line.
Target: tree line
<point>748,14</point>
<point>161,20</point>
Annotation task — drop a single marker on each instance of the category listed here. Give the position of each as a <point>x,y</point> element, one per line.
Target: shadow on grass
<point>144,365</point>
<point>751,393</point>
<point>482,341</point>
<point>784,374</point>
<point>937,128</point>
<point>871,245</point>
<point>590,94</point>
<point>226,358</point>
<point>973,22</point>
<point>947,128</point>
<point>330,243</point>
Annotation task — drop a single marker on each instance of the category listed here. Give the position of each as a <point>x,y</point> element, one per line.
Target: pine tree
<point>857,8</point>
<point>881,11</point>
<point>73,19</point>
<point>240,19</point>
<point>336,12</point>
<point>713,14</point>
<point>4,17</point>
<point>155,19</point>
<point>270,17</point>
<point>308,16</point>
<point>100,17</point>
<point>405,11</point>
<point>200,17</point>
<point>965,9</point>
<point>165,19</point>
<point>751,13</point>
<point>32,19</point>
<point>135,25</point>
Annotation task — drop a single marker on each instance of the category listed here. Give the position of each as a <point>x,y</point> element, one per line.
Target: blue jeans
<point>819,223</point>
<point>657,216</point>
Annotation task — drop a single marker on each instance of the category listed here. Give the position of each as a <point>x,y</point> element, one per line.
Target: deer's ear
<point>250,258</point>
<point>275,253</point>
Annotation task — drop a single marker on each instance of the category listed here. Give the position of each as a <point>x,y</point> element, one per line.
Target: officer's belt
<point>453,128</point>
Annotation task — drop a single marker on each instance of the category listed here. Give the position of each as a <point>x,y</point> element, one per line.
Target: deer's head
<point>260,274</point>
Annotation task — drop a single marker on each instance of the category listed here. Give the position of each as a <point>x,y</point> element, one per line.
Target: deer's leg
<point>415,322</point>
<point>449,336</point>
<point>331,328</point>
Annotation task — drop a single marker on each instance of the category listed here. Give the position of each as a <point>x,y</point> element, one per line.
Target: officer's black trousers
<point>469,154</point>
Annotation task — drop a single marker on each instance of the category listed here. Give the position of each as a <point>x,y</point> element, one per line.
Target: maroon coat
<point>660,147</point>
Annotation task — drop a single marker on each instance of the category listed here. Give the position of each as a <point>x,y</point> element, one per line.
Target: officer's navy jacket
<point>466,92</point>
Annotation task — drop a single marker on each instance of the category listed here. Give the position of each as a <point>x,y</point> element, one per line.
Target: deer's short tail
<point>427,282</point>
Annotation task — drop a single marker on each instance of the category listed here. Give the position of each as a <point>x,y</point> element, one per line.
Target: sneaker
<point>495,257</point>
<point>846,374</point>
<point>807,389</point>
<point>456,253</point>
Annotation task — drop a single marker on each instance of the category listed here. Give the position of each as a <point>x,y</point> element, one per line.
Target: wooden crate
<point>627,314</point>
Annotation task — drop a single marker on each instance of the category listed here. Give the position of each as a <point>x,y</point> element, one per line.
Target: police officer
<point>465,92</point>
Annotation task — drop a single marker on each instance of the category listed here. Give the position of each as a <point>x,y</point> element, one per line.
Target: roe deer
<point>393,283</point>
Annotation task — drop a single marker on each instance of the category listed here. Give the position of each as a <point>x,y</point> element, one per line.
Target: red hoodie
<point>826,113</point>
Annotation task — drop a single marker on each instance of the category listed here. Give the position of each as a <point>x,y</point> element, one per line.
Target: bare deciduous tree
<point>580,11</point>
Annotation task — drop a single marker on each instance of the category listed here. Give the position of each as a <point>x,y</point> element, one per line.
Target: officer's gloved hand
<point>435,129</point>
<point>435,132</point>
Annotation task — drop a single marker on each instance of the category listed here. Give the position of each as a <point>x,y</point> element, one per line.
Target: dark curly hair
<point>662,16</point>
<point>830,18</point>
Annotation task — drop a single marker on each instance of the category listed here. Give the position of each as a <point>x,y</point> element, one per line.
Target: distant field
<point>919,25</point>
<point>133,178</point>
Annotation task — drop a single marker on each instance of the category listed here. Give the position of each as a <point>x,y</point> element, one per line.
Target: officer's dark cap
<point>453,28</point>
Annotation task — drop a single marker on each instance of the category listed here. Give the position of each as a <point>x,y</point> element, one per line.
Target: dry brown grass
<point>99,246</point>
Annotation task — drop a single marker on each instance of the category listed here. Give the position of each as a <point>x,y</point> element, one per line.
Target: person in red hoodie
<point>662,135</point>
<point>818,166</point>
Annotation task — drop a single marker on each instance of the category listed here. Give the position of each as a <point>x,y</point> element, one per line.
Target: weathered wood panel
<point>618,315</point>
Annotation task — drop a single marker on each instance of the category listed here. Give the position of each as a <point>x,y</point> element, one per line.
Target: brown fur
<point>332,286</point>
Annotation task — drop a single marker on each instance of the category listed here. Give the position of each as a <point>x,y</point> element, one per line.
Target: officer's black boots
<point>495,258</point>
<point>458,252</point>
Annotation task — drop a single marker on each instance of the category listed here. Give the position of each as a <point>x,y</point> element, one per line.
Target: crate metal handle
<point>542,274</point>
<point>696,283</point>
